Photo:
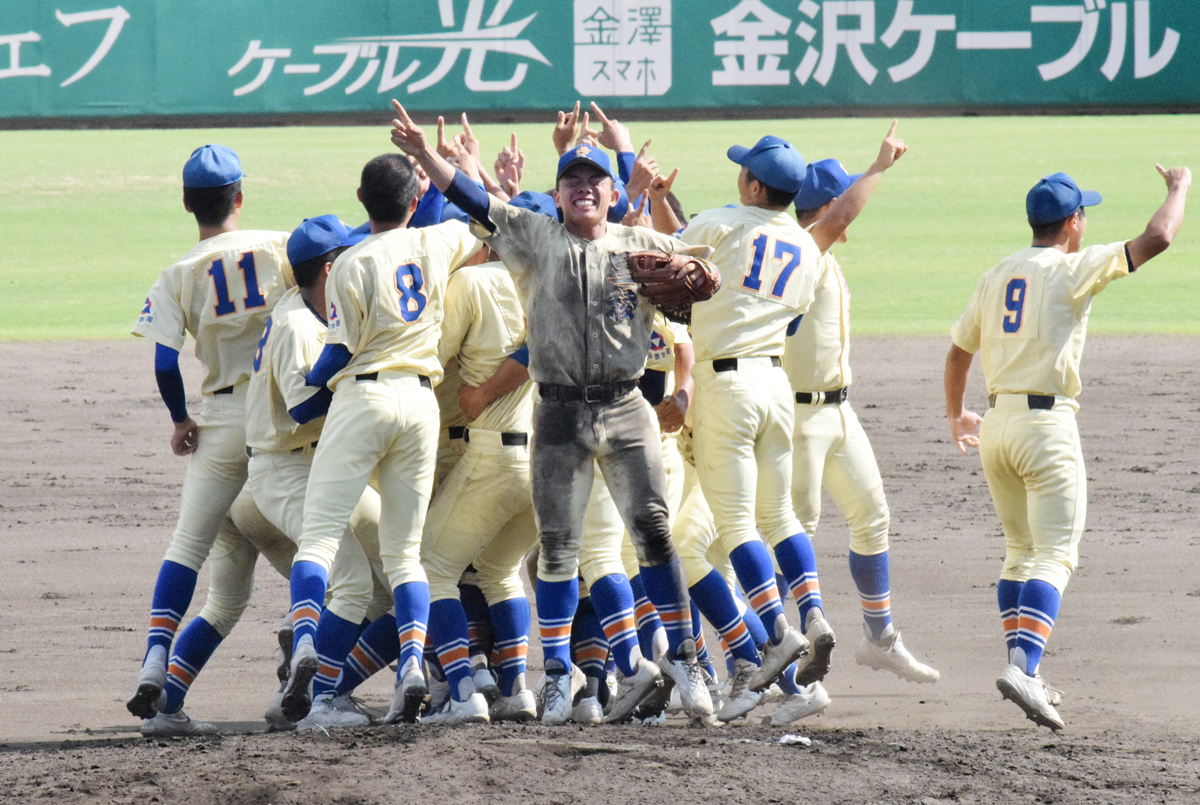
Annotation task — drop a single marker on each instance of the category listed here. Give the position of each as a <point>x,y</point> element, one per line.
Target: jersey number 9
<point>1014,303</point>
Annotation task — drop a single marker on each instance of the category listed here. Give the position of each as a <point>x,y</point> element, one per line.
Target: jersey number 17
<point>785,255</point>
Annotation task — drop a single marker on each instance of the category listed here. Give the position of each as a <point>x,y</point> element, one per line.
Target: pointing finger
<point>441,131</point>
<point>466,126</point>
<point>671,180</point>
<point>514,142</point>
<point>599,114</point>
<point>892,131</point>
<point>642,153</point>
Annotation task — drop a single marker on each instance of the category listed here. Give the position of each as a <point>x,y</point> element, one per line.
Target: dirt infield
<point>90,491</point>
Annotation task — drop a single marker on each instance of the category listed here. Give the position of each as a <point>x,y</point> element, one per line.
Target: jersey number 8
<point>409,282</point>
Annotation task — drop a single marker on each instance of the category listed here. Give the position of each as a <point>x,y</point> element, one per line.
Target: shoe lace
<point>696,677</point>
<point>741,683</point>
<point>554,694</point>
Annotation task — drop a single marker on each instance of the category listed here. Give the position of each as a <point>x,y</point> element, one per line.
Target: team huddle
<point>639,407</point>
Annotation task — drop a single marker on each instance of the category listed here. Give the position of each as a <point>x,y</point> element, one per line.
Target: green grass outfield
<point>90,218</point>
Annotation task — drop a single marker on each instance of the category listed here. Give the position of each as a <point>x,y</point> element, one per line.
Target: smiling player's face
<point>585,193</point>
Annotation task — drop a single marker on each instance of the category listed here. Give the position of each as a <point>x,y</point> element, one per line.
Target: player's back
<point>1028,317</point>
<point>386,296</point>
<point>816,356</point>
<point>222,292</point>
<point>485,324</point>
<point>768,266</point>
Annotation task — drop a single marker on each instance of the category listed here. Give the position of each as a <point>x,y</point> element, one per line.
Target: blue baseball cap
<point>774,161</point>
<point>212,166</point>
<point>315,237</point>
<point>1055,197</point>
<point>584,153</point>
<point>538,202</point>
<point>824,181</point>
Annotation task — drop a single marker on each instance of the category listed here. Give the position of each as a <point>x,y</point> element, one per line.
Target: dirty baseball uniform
<point>1028,320</point>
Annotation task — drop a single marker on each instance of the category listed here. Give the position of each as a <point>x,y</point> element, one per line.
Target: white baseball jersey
<point>817,356</point>
<point>221,292</point>
<point>1028,317</point>
<point>484,324</point>
<point>768,266</point>
<point>378,292</point>
<point>290,345</point>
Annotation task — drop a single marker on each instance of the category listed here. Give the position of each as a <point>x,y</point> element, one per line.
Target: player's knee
<point>497,588</point>
<point>223,612</point>
<point>871,538</point>
<point>559,554</point>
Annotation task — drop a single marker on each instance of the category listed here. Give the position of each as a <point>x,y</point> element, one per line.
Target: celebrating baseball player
<point>1028,319</point>
<point>589,332</point>
<point>221,292</point>
<point>384,299</point>
<point>830,450</point>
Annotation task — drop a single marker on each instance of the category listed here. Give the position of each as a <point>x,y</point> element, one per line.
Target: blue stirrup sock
<point>556,605</point>
<point>871,577</point>
<point>172,597</point>
<point>511,622</point>
<point>667,590</point>
<point>1039,608</point>
<point>412,619</point>
<point>1008,596</point>
<point>711,594</point>
<point>448,636</point>
<point>193,648</point>
<point>648,622</point>
<point>756,573</point>
<point>589,647</point>
<point>479,626</point>
<point>377,646</point>
<point>335,640</point>
<point>309,582</point>
<point>798,562</point>
<point>612,598</point>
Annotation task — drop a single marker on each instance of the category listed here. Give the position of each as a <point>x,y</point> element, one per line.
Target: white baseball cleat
<point>692,682</point>
<point>587,710</point>
<point>1029,693</point>
<point>149,697</point>
<point>889,654</point>
<point>1053,695</point>
<point>741,699</point>
<point>324,713</point>
<point>408,697</point>
<point>520,707</point>
<point>814,666</point>
<point>812,700</point>
<point>631,690</point>
<point>297,696</point>
<point>777,657</point>
<point>175,724</point>
<point>556,699</point>
<point>472,711</point>
<point>276,722</point>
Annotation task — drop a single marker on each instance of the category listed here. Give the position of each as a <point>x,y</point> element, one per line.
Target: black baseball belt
<point>369,376</point>
<point>835,397</point>
<point>1042,402</point>
<point>508,439</point>
<point>456,432</point>
<point>731,364</point>
<point>251,452</point>
<point>600,393</point>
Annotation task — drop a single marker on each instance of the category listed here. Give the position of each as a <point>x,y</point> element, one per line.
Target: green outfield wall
<point>98,58</point>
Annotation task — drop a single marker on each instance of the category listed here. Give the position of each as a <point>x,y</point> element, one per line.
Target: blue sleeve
<point>170,381</point>
<point>653,384</point>
<point>521,356</point>
<point>315,406</point>
<point>429,209</point>
<point>472,198</point>
<point>625,161</point>
<point>794,325</point>
<point>334,359</point>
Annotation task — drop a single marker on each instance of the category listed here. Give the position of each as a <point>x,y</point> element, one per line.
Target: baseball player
<point>284,420</point>
<point>482,515</point>
<point>830,450</point>
<point>221,292</point>
<point>380,359</point>
<point>743,410</point>
<point>588,339</point>
<point>1028,319</point>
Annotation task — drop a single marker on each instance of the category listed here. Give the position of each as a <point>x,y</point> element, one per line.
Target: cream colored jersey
<point>447,395</point>
<point>221,292</point>
<point>485,324</point>
<point>664,337</point>
<point>291,343</point>
<point>1028,317</point>
<point>817,356</point>
<point>768,266</point>
<point>385,298</point>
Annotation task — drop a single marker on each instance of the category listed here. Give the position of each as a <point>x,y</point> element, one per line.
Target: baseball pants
<point>1033,463</point>
<point>831,449</point>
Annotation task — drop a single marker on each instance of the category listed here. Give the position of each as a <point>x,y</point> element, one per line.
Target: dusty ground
<point>89,497</point>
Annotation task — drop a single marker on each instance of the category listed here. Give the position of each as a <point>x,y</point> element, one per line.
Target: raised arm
<point>964,425</point>
<point>1166,221</point>
<point>843,212</point>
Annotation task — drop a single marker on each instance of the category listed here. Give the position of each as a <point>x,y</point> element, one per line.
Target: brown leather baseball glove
<point>673,282</point>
